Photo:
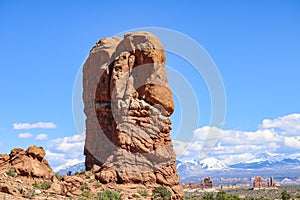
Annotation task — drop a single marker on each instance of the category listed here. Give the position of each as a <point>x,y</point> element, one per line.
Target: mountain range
<point>191,168</point>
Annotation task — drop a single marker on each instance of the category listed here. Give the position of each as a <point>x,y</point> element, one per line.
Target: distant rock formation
<point>206,183</point>
<point>271,182</point>
<point>127,104</point>
<point>258,182</point>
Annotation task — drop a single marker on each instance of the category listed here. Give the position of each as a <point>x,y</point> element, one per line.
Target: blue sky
<point>255,45</point>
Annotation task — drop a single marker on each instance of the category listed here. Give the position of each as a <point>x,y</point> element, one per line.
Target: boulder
<point>29,163</point>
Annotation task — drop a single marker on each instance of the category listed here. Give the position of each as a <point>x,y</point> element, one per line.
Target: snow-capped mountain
<point>260,157</point>
<point>265,160</point>
<point>212,163</point>
<point>73,167</point>
<point>187,168</point>
<point>214,167</point>
<point>206,163</point>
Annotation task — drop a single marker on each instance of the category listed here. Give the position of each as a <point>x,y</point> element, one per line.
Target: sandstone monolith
<point>128,102</point>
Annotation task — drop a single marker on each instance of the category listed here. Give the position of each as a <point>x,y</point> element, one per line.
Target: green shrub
<point>162,193</point>
<point>136,196</point>
<point>45,185</point>
<point>143,193</point>
<point>109,195</point>
<point>221,195</point>
<point>208,196</point>
<point>285,195</point>
<point>57,176</point>
<point>97,184</point>
<point>84,186</point>
<point>86,194</point>
<point>42,185</point>
<point>36,185</point>
<point>11,172</point>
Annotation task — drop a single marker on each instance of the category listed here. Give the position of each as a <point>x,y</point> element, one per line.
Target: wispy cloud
<point>41,137</point>
<point>273,136</point>
<point>25,135</point>
<point>45,125</point>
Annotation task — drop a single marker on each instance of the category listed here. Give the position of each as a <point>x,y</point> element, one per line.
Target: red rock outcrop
<point>25,174</point>
<point>206,183</point>
<point>258,183</point>
<point>127,104</point>
<point>29,163</point>
<point>271,182</point>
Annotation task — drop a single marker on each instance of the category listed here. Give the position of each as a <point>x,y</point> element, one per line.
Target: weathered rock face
<point>29,163</point>
<point>128,103</point>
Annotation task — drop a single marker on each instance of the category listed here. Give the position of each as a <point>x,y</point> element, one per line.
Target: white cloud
<point>46,125</point>
<point>41,137</point>
<point>293,142</point>
<point>290,124</point>
<point>233,146</point>
<point>25,135</point>
<point>67,149</point>
<point>66,144</point>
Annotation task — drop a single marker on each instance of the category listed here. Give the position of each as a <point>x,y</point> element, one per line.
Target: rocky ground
<point>81,186</point>
<point>25,174</point>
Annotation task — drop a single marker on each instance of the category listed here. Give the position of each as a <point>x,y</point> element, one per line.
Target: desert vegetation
<point>284,193</point>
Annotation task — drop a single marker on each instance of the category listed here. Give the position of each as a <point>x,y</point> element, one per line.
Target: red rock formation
<point>258,183</point>
<point>271,182</point>
<point>206,183</point>
<point>128,103</point>
<point>29,163</point>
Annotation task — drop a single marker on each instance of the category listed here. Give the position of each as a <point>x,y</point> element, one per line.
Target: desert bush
<point>208,196</point>
<point>45,185</point>
<point>42,185</point>
<point>84,187</point>
<point>86,194</point>
<point>136,196</point>
<point>285,195</point>
<point>36,185</point>
<point>143,193</point>
<point>97,184</point>
<point>109,195</point>
<point>161,193</point>
<point>11,172</point>
<point>57,176</point>
<point>221,195</point>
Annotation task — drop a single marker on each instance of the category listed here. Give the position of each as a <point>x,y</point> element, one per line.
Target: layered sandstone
<point>128,104</point>
<point>29,163</point>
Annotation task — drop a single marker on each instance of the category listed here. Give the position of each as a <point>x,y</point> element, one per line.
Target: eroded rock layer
<point>127,104</point>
